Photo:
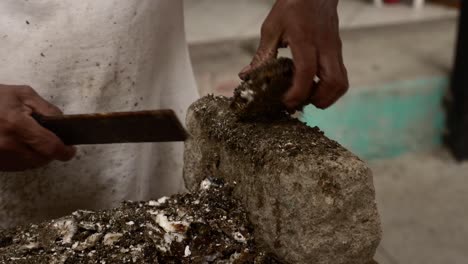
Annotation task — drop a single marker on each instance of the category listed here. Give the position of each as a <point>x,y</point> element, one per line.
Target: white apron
<point>96,56</point>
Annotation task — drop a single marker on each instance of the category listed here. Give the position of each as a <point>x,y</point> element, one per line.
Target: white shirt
<point>96,56</point>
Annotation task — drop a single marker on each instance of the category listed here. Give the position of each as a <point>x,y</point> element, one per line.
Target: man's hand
<point>24,144</point>
<point>310,28</point>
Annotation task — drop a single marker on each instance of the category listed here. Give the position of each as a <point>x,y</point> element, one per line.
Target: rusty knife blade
<point>122,127</point>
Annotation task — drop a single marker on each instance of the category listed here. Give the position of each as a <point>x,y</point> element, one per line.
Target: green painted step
<point>387,120</point>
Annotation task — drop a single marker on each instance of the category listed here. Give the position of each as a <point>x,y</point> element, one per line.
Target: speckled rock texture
<point>309,199</point>
<point>207,226</point>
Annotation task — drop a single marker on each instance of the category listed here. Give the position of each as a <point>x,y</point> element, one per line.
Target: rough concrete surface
<point>422,200</point>
<point>206,226</point>
<point>310,200</point>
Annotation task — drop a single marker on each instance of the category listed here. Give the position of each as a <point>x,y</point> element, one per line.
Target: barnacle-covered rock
<point>207,226</point>
<point>260,95</point>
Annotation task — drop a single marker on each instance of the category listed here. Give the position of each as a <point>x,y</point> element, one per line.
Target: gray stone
<point>310,200</point>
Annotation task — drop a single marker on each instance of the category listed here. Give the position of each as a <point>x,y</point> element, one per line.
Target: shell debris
<point>205,226</point>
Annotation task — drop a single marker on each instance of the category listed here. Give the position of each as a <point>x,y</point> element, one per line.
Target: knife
<point>121,127</point>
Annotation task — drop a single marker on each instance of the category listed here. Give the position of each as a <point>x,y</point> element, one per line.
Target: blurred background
<point>399,56</point>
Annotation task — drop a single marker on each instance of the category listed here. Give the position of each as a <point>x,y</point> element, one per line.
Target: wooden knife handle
<point>123,127</point>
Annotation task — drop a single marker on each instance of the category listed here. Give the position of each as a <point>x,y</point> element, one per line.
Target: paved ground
<point>210,20</point>
<point>373,56</point>
<point>422,200</point>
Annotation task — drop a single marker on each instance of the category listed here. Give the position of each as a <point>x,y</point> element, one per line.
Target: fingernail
<point>243,73</point>
<point>71,152</point>
<point>322,106</point>
<point>291,103</point>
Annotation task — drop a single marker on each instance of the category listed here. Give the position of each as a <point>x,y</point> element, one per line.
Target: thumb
<point>38,104</point>
<point>267,50</point>
<point>40,139</point>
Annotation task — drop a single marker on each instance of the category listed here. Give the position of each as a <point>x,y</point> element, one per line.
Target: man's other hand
<point>24,144</point>
<point>311,29</point>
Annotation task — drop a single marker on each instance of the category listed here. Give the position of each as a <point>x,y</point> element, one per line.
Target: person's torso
<point>95,56</point>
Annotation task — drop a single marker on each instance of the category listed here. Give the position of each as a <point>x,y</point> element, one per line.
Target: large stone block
<point>310,200</point>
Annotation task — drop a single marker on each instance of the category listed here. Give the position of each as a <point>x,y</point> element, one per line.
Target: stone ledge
<point>310,200</point>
